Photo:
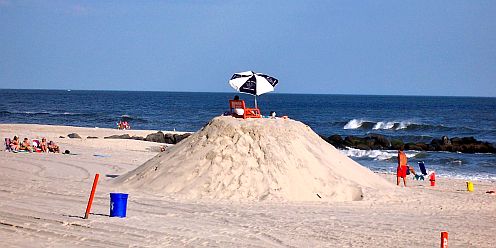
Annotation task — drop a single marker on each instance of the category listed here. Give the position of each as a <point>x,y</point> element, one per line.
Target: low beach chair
<point>422,170</point>
<point>247,112</point>
<point>36,146</point>
<point>7,145</point>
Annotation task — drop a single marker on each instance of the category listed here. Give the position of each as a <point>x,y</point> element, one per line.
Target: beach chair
<point>8,148</point>
<point>422,170</point>
<point>36,146</point>
<point>247,112</point>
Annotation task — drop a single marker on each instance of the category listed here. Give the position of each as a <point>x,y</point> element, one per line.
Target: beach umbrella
<point>253,83</point>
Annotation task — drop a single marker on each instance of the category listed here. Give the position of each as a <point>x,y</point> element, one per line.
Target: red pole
<point>90,201</point>
<point>444,239</point>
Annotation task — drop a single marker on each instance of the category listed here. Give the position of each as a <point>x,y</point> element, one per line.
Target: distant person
<point>15,144</point>
<point>125,125</point>
<point>52,147</point>
<point>26,145</point>
<point>402,167</point>
<point>44,145</point>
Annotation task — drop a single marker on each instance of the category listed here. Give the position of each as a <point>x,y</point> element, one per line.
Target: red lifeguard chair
<point>247,112</point>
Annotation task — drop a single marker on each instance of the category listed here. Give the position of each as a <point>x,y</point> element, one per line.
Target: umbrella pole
<point>256,101</point>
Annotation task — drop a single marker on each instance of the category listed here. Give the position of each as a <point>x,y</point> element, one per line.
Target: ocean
<point>410,118</point>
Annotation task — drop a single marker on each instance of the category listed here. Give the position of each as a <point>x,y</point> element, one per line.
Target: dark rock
<point>156,137</point>
<point>169,138</point>
<point>122,136</point>
<point>352,141</point>
<point>380,140</point>
<point>464,141</point>
<point>137,138</point>
<point>74,136</point>
<point>396,144</point>
<point>416,146</point>
<point>337,141</point>
<point>179,137</point>
<point>445,140</point>
<point>62,137</point>
<point>92,137</point>
<point>436,142</point>
<point>363,147</point>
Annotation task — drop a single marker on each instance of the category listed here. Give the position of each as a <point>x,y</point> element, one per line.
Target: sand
<point>256,159</point>
<point>43,198</point>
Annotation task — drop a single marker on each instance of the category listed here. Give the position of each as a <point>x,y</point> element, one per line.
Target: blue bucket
<point>118,204</point>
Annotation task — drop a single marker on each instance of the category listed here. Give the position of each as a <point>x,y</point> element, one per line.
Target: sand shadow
<point>82,217</point>
<point>112,175</point>
<point>73,216</point>
<point>106,215</point>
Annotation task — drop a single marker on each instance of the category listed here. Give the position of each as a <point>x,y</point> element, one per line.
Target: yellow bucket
<point>470,186</point>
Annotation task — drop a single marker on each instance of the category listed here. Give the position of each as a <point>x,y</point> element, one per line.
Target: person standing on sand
<point>402,167</point>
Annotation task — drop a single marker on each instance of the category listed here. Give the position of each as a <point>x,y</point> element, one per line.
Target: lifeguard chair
<point>247,112</point>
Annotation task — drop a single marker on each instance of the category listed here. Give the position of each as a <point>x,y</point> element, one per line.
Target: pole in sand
<point>444,239</point>
<point>90,201</point>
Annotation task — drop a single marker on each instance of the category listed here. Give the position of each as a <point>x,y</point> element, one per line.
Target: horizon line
<point>224,92</point>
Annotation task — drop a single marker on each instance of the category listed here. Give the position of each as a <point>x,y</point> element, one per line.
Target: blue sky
<point>331,47</point>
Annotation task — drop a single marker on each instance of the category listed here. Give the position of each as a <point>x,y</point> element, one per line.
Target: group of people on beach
<point>123,125</point>
<point>26,145</point>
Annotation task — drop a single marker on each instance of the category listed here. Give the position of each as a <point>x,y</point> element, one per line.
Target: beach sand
<point>43,199</point>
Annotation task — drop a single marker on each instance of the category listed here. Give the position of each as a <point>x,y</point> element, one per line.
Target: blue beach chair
<point>422,170</point>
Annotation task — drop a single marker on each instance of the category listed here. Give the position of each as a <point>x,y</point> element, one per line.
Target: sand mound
<point>255,159</point>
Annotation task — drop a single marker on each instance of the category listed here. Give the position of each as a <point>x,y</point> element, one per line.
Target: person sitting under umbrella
<point>238,111</point>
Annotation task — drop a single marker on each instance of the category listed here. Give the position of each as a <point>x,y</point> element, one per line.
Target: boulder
<point>122,136</point>
<point>396,144</point>
<point>380,140</point>
<point>74,136</point>
<point>156,137</point>
<point>169,138</point>
<point>179,137</point>
<point>416,146</point>
<point>337,141</point>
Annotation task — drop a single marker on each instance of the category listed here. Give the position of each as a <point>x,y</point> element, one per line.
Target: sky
<point>442,48</point>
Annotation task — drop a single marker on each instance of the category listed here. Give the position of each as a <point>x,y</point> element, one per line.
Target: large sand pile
<point>255,159</point>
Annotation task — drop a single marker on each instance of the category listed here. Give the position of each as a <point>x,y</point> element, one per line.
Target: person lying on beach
<point>52,147</point>
<point>26,145</point>
<point>44,145</point>
<point>14,144</point>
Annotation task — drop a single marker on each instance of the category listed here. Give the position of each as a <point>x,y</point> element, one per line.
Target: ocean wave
<point>399,125</point>
<point>380,125</point>
<point>375,154</point>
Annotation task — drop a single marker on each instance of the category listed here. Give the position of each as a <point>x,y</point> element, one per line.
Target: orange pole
<point>90,201</point>
<point>444,239</point>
